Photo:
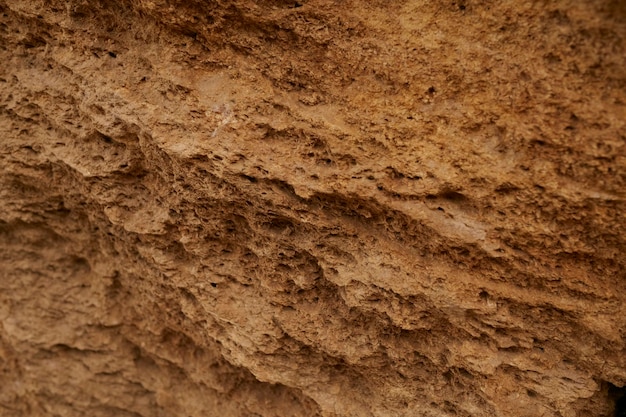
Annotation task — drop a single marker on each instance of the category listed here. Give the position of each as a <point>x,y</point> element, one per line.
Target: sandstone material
<point>314,208</point>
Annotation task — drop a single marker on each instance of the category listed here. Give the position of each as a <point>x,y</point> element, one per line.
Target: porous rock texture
<point>325,207</point>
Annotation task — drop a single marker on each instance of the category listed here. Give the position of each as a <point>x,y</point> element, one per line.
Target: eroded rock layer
<point>334,208</point>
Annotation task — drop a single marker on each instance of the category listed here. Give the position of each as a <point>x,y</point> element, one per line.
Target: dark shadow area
<point>618,396</point>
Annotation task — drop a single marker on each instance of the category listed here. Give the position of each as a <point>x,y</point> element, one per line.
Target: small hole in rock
<point>452,195</point>
<point>213,284</point>
<point>618,394</point>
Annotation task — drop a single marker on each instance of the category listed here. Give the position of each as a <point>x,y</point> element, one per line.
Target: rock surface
<point>334,208</point>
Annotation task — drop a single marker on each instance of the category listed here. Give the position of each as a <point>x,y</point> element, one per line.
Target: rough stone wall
<point>334,208</point>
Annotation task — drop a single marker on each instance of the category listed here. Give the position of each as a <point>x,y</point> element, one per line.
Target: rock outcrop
<point>323,207</point>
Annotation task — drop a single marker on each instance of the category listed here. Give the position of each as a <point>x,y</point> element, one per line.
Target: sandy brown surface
<point>334,208</point>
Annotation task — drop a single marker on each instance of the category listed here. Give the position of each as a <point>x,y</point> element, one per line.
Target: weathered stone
<point>335,208</point>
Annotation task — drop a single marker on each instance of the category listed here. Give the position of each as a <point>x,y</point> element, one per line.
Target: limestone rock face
<point>313,208</point>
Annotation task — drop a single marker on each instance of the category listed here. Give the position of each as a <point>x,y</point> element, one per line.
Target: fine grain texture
<point>315,208</point>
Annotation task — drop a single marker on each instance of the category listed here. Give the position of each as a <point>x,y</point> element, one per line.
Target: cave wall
<point>333,208</point>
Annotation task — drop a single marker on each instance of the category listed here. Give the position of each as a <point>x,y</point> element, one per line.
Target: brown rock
<point>334,208</point>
